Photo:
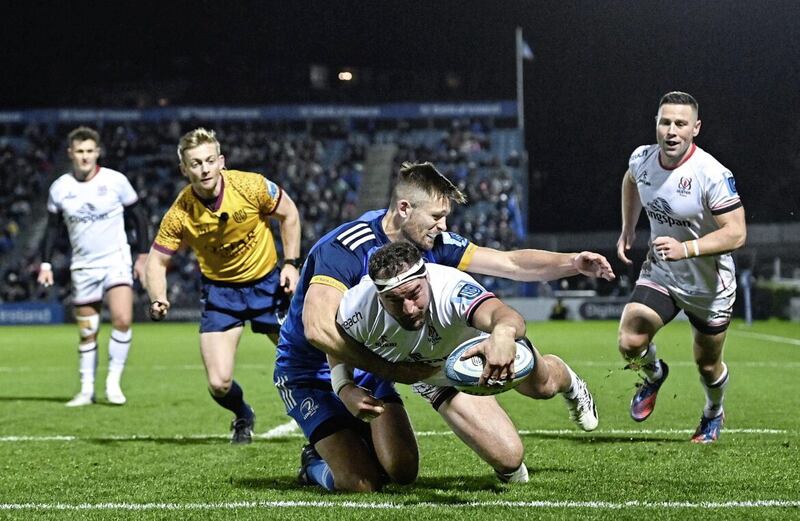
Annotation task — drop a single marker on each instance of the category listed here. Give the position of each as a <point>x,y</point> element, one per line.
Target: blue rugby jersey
<point>339,259</point>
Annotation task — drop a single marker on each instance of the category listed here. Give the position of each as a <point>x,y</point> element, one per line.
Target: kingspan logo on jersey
<point>659,210</point>
<point>86,214</point>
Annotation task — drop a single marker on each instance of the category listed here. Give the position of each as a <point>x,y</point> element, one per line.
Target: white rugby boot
<point>81,399</point>
<point>581,406</point>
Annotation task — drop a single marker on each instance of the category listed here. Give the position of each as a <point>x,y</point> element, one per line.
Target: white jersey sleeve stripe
<point>353,236</point>
<point>370,237</point>
<point>347,232</point>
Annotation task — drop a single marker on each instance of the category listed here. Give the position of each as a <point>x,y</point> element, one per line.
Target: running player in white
<point>96,203</point>
<point>696,221</point>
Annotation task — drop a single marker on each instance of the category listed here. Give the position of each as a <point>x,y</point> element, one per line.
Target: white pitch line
<point>281,431</point>
<point>768,338</point>
<point>611,364</point>
<point>252,505</point>
<point>288,431</point>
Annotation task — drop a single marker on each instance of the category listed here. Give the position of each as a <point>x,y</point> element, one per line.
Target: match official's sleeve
<point>170,233</point>
<point>269,197</point>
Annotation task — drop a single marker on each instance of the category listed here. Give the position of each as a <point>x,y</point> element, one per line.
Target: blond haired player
<point>223,216</point>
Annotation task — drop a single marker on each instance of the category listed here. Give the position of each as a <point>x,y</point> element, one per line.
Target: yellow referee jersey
<point>230,236</point>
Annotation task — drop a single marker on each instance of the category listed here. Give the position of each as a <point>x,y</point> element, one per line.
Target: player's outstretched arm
<point>319,320</point>
<point>155,282</point>
<point>538,265</point>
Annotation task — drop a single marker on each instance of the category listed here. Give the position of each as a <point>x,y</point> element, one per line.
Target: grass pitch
<point>165,454</point>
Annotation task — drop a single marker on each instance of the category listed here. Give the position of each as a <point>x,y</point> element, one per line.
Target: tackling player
<point>96,204</point>
<point>410,310</point>
<point>223,215</point>
<point>696,221</point>
<point>420,204</point>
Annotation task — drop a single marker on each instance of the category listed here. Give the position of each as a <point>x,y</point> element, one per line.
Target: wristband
<point>291,262</point>
<point>340,377</point>
<point>45,266</point>
<point>685,250</point>
<point>696,247</point>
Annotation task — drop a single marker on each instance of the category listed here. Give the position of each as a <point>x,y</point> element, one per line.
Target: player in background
<point>223,215</point>
<point>420,204</point>
<point>407,309</point>
<point>96,204</point>
<point>696,221</point>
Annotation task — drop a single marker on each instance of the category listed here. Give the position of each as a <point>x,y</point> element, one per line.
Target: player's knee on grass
<point>510,461</point>
<point>403,469</point>
<point>357,480</point>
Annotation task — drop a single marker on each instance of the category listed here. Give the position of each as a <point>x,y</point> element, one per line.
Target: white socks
<point>715,393</point>
<point>118,345</point>
<point>87,366</point>
<point>573,380</point>
<point>518,476</point>
<point>651,367</point>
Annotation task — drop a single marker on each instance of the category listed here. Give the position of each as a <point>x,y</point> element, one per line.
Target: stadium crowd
<point>320,164</point>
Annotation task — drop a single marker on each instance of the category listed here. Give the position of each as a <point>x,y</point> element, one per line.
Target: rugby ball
<point>464,374</point>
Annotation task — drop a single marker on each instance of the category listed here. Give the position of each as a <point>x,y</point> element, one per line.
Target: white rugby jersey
<point>681,203</point>
<point>93,213</point>
<point>454,297</point>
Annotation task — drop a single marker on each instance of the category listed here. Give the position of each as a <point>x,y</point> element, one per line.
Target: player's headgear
<point>395,264</point>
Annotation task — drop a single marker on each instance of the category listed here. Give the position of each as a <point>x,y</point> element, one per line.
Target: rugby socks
<point>715,393</point>
<point>320,473</point>
<point>87,365</point>
<point>518,476</point>
<point>651,367</point>
<point>118,346</point>
<point>573,389</point>
<point>234,401</point>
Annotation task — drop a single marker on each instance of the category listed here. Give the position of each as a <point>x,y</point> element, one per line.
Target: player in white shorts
<point>96,203</point>
<point>696,221</point>
<point>409,310</point>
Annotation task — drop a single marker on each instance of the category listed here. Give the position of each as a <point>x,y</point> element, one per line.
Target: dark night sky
<point>591,93</point>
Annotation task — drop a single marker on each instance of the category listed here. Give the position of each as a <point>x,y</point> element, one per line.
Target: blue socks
<point>320,473</point>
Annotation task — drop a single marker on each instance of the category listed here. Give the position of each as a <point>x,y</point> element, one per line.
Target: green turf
<point>182,461</point>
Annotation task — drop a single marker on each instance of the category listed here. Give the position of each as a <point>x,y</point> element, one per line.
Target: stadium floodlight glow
<point>345,76</point>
